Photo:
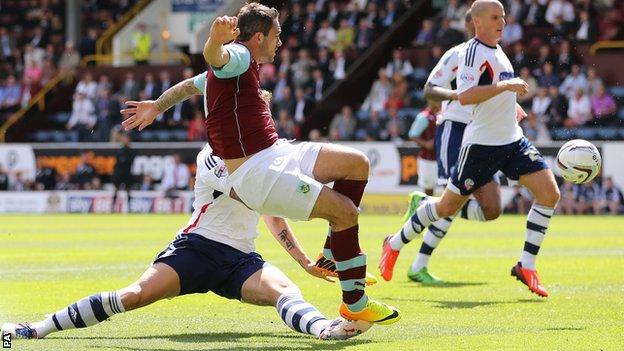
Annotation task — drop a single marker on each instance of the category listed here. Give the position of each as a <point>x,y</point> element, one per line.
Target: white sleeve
<point>211,171</point>
<point>470,59</point>
<point>442,74</point>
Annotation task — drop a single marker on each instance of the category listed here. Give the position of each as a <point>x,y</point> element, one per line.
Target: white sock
<point>537,224</point>
<point>300,315</point>
<point>83,313</point>
<point>425,215</point>
<point>472,211</point>
<point>435,233</point>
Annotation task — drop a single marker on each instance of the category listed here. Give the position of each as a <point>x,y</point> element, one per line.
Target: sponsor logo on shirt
<point>438,74</point>
<point>468,184</point>
<point>303,187</point>
<point>467,77</point>
<point>505,75</point>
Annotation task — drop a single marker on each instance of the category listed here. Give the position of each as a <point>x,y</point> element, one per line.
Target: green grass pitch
<point>48,262</point>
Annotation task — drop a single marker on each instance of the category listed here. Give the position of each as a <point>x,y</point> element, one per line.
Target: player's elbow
<point>464,99</point>
<point>428,92</point>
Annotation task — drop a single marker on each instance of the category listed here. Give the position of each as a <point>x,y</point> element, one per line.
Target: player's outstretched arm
<point>224,29</point>
<point>143,113</point>
<point>436,93</point>
<point>478,94</point>
<point>284,235</point>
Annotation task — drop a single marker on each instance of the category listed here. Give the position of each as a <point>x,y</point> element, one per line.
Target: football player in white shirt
<point>441,86</point>
<point>493,141</point>
<point>214,252</point>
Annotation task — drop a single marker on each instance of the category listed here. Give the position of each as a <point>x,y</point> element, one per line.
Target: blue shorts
<point>478,163</point>
<point>448,141</point>
<point>205,265</point>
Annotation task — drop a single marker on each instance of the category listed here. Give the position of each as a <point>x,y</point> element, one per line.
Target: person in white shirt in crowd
<point>83,116</point>
<point>541,103</point>
<point>326,36</point>
<point>398,64</point>
<point>338,65</point>
<point>579,110</point>
<point>379,93</point>
<point>513,31</point>
<point>575,80</point>
<point>87,87</point>
<point>176,176</point>
<point>561,8</point>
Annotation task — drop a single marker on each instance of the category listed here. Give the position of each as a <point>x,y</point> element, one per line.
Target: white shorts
<point>278,181</point>
<point>427,173</point>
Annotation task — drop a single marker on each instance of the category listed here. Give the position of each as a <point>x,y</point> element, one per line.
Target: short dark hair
<point>468,17</point>
<point>254,18</point>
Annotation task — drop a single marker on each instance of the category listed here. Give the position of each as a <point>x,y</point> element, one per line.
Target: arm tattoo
<point>283,235</point>
<point>176,94</point>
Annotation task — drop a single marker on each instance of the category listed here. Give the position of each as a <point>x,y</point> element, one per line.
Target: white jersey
<point>494,120</point>
<point>444,75</point>
<point>217,216</point>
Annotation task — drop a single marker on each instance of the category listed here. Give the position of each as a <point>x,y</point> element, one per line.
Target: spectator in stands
<point>579,110</point>
<point>69,58</point>
<point>4,179</point>
<point>286,102</point>
<point>534,129</point>
<point>512,31</point>
<point>544,55</point>
<point>603,107</point>
<point>569,194</point>
<point>391,14</point>
<point>108,116</point>
<point>164,83</point>
<point>49,71</point>
<point>373,128</point>
<point>12,95</point>
<point>326,35</point>
<point>303,107</point>
<point>281,85</point>
<point>88,43</point>
<point>338,65</point>
<point>343,125</point>
<point>345,36</point>
<point>515,9</point>
<point>33,71</point>
<point>364,35</point>
<point>301,69</point>
<point>586,29</point>
<point>560,8</point>
<point>64,182</point>
<point>426,35</point>
<point>396,100</point>
<point>566,58</point>
<point>141,45</point>
<point>573,82</point>
<point>558,109</point>
<point>45,177</point>
<point>379,93</point>
<point>84,171</point>
<point>103,84</point>
<point>534,14</point>
<point>149,86</point>
<point>19,183</point>
<point>33,54</point>
<point>455,13</point>
<point>541,103</point>
<point>307,37</point>
<point>548,78</point>
<point>146,183</point>
<point>593,81</point>
<point>87,87</point>
<point>588,200</point>
<point>399,64</point>
<point>176,176</point>
<point>323,61</point>
<point>96,184</point>
<point>7,44</point>
<point>447,36</point>
<point>181,114</point>
<point>196,128</point>
<point>525,100</point>
<point>611,197</point>
<point>40,38</point>
<point>122,171</point>
<point>318,85</point>
<point>83,117</point>
<point>285,125</point>
<point>130,88</point>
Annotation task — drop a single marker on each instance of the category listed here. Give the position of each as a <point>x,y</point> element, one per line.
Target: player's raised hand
<point>139,114</point>
<point>224,29</point>
<point>517,85</point>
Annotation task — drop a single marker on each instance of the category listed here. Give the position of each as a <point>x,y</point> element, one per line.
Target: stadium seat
<point>42,136</point>
<point>561,133</point>
<point>607,133</point>
<point>163,135</point>
<point>146,135</point>
<point>586,133</point>
<point>179,135</point>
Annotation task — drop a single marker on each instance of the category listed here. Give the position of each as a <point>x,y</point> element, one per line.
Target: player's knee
<point>492,211</point>
<point>553,197</point>
<point>360,165</point>
<point>349,213</point>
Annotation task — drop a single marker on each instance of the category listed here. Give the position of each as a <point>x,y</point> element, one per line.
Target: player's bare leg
<point>270,287</point>
<point>544,188</point>
<point>489,199</point>
<point>158,282</point>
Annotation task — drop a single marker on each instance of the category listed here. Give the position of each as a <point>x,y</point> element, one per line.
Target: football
<point>578,161</point>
